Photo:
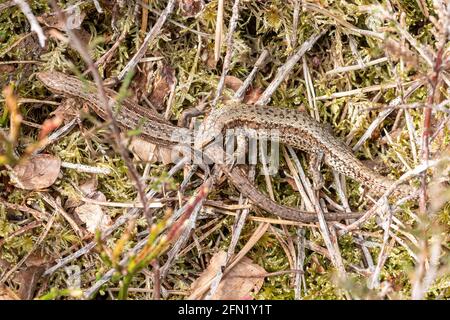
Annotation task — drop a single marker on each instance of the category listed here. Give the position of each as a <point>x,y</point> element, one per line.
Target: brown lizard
<point>300,131</point>
<point>157,130</point>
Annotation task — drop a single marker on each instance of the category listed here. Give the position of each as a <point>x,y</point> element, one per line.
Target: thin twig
<point>286,69</point>
<point>219,30</point>
<point>229,52</point>
<point>85,168</point>
<point>240,93</point>
<point>35,26</point>
<point>357,66</point>
<point>153,33</point>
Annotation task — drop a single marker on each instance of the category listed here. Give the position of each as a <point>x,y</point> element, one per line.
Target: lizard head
<point>52,80</point>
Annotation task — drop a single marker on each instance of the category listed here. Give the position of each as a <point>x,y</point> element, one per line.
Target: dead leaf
<point>162,85</point>
<point>252,95</point>
<point>191,8</point>
<point>29,280</point>
<point>240,283</point>
<point>207,57</point>
<point>94,217</point>
<point>92,214</point>
<point>141,84</point>
<point>89,186</point>
<point>38,172</point>
<point>7,294</point>
<point>30,274</point>
<point>7,68</point>
<point>89,190</point>
<point>144,150</point>
<point>233,83</point>
<point>150,152</point>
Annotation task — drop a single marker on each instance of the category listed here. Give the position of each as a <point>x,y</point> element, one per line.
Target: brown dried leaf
<point>7,294</point>
<point>38,172</point>
<point>141,83</point>
<point>93,216</point>
<point>191,8</point>
<point>30,277</point>
<point>252,95</point>
<point>150,152</point>
<point>396,50</point>
<point>162,85</point>
<point>233,83</point>
<point>89,186</point>
<point>144,150</point>
<point>89,189</point>
<point>240,283</point>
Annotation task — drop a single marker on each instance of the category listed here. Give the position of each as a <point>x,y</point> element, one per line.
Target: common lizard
<point>306,134</point>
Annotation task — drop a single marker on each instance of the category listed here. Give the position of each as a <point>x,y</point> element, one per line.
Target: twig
<point>368,89</point>
<point>28,100</point>
<point>284,70</point>
<point>332,247</point>
<point>310,92</point>
<point>38,215</point>
<point>300,262</point>
<point>173,253</point>
<point>357,66</point>
<point>342,22</point>
<point>52,203</point>
<point>262,219</point>
<point>219,29</point>
<point>97,6</point>
<point>35,26</point>
<point>296,14</point>
<point>374,281</point>
<point>61,132</point>
<point>380,118</point>
<point>148,40</point>
<point>144,18</point>
<point>108,54</point>
<point>229,52</point>
<point>339,182</point>
<point>182,26</point>
<point>240,93</point>
<point>85,168</point>
<point>238,225</point>
<point>20,62</point>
